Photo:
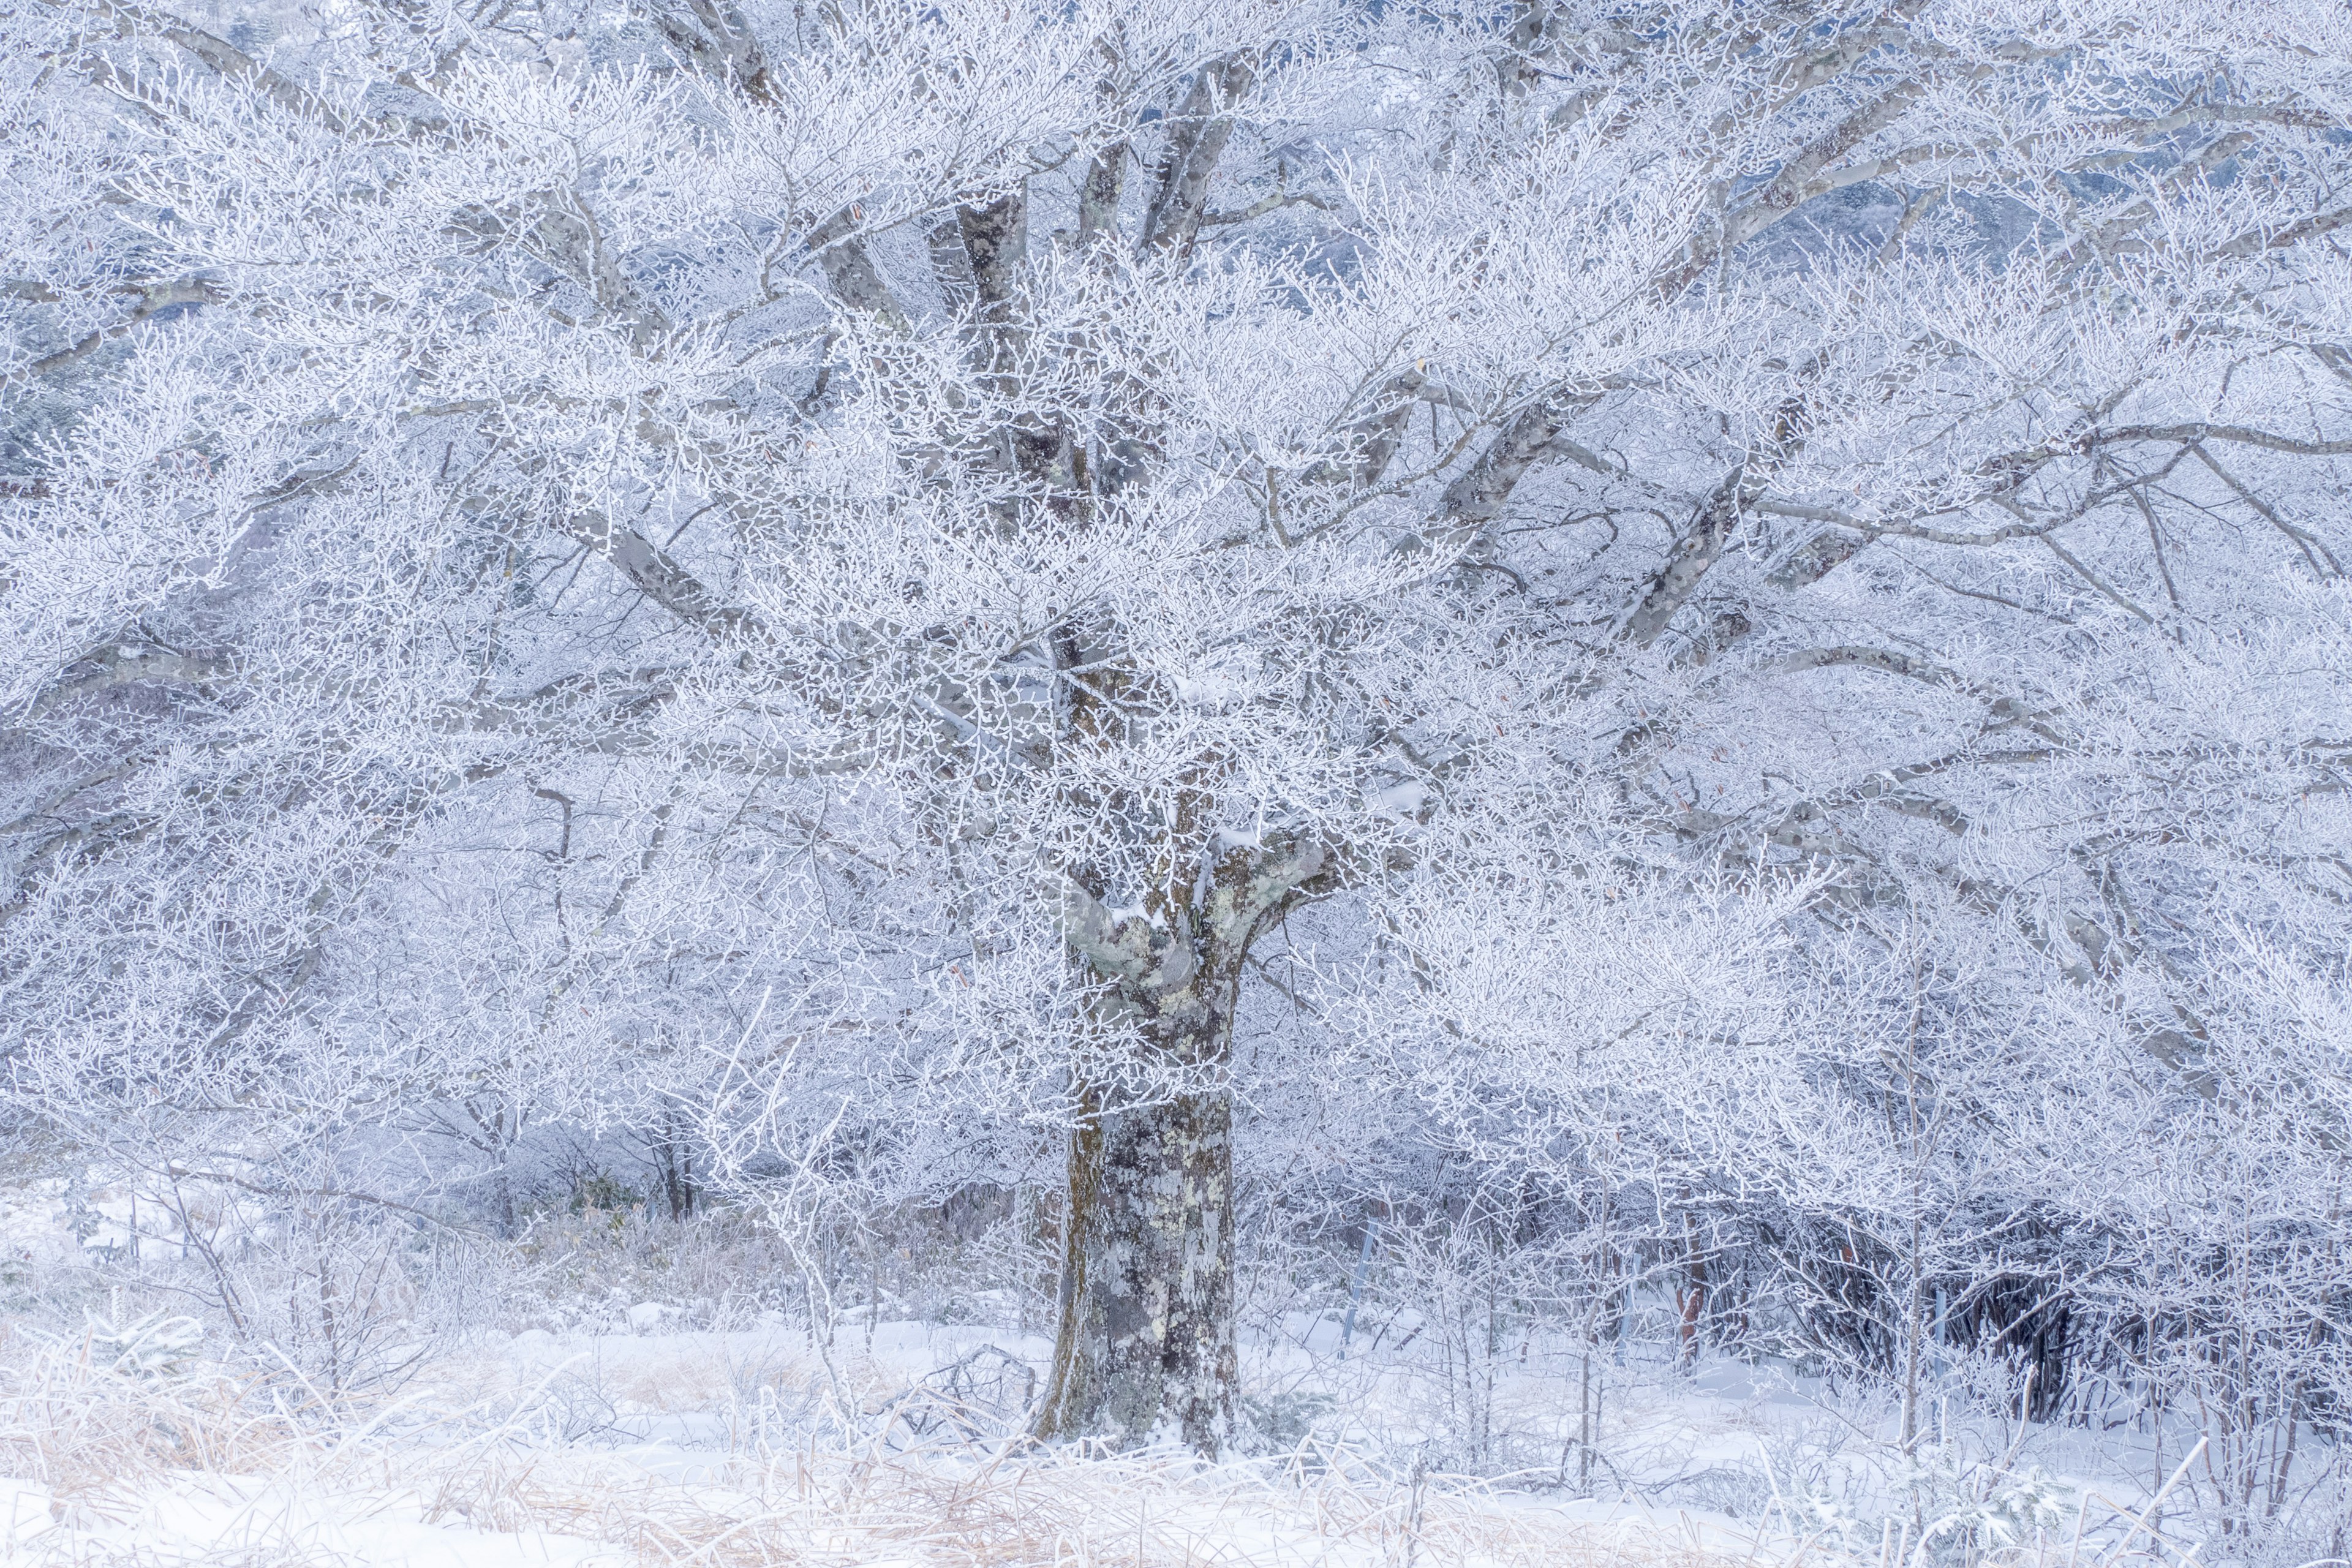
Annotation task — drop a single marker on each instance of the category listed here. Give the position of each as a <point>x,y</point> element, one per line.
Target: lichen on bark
<point>1145,1347</point>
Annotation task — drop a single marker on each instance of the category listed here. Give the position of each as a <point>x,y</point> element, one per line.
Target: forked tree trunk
<point>1144,1348</point>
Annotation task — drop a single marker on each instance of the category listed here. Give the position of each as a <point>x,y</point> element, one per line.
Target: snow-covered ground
<point>625,1447</point>
<point>641,1430</point>
<point>621,1449</point>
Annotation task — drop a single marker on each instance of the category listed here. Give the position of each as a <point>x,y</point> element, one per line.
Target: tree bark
<point>1145,1348</point>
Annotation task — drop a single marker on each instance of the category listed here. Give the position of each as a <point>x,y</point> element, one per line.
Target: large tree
<point>523,525</point>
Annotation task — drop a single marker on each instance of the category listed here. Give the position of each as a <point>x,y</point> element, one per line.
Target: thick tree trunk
<point>1145,1348</point>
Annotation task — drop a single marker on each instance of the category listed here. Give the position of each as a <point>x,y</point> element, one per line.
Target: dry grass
<point>1154,1513</point>
<point>107,1444</point>
<point>832,1510</point>
<point>302,1489</point>
<point>70,1422</point>
<point>288,1487</point>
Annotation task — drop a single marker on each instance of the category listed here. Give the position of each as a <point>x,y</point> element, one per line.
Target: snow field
<point>109,1467</point>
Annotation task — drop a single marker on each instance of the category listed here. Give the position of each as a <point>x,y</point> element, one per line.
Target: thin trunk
<point>1693,1294</point>
<point>1915,1325</point>
<point>1356,1288</point>
<point>1584,1416</point>
<point>673,1166</point>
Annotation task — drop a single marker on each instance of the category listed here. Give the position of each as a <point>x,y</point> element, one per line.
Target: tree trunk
<point>1145,1344</point>
<point>1145,1347</point>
